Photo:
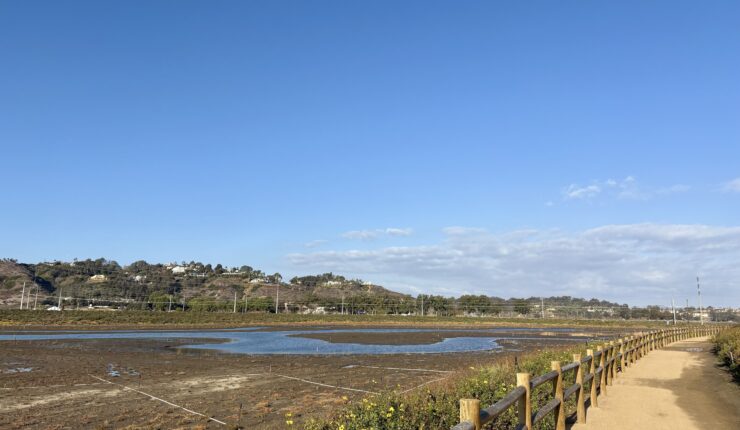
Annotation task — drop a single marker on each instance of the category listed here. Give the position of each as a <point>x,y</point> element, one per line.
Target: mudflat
<point>154,383</point>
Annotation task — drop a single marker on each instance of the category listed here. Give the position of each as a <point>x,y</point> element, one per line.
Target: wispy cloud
<point>574,191</point>
<point>399,231</point>
<point>636,263</point>
<point>360,234</point>
<point>732,186</point>
<point>458,230</point>
<point>673,189</point>
<point>315,243</point>
<point>627,188</point>
<point>375,233</point>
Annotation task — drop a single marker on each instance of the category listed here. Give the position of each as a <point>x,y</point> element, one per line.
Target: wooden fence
<point>596,370</point>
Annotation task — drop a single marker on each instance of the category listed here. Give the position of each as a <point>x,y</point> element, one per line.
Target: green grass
<point>727,347</point>
<point>80,318</point>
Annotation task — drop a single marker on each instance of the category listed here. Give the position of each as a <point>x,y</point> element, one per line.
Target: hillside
<point>101,281</point>
<point>203,287</point>
<point>12,278</point>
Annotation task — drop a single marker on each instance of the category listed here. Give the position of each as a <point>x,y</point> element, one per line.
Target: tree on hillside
<point>521,306</point>
<point>476,304</point>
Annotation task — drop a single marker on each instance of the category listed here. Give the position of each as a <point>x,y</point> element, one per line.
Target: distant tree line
<point>201,287</point>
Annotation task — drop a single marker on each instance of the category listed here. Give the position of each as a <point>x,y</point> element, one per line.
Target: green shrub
<point>437,407</point>
<point>727,348</point>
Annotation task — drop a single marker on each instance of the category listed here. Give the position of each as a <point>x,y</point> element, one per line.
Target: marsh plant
<point>437,405</point>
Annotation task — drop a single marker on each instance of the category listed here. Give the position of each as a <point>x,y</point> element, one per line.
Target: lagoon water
<point>253,341</point>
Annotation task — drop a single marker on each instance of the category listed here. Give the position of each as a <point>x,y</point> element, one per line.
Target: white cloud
<point>634,263</point>
<point>374,234</point>
<point>399,231</point>
<point>627,188</point>
<point>360,234</point>
<point>732,186</point>
<point>574,191</point>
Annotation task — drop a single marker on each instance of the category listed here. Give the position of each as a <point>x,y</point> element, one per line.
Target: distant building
<point>258,281</point>
<point>332,283</point>
<point>179,270</point>
<point>98,278</point>
<point>318,310</point>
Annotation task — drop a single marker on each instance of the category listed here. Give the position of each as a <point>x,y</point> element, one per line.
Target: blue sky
<point>484,147</point>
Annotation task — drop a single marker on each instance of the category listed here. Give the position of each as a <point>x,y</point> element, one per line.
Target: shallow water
<point>252,341</point>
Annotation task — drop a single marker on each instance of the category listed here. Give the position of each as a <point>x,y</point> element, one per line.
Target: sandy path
<point>676,388</point>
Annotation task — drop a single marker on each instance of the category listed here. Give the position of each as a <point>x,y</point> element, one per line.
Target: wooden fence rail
<point>596,370</point>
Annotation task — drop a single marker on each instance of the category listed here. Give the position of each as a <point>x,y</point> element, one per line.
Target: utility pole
<point>246,302</point>
<point>422,305</point>
<point>169,308</point>
<point>701,311</point>
<point>234,302</point>
<point>36,298</point>
<point>673,305</point>
<point>542,306</point>
<point>277,299</point>
<point>23,294</point>
<point>342,304</point>
<point>35,271</point>
<point>60,299</point>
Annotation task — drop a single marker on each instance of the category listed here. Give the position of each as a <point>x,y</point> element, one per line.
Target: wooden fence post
<point>594,381</point>
<point>612,362</point>
<point>580,400</point>
<point>557,388</point>
<point>602,379</point>
<point>470,411</point>
<point>621,355</point>
<point>607,354</point>
<point>648,341</point>
<point>525,405</point>
<point>636,352</point>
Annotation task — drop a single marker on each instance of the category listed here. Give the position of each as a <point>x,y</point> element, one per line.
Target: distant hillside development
<point>193,285</point>
<point>104,284</point>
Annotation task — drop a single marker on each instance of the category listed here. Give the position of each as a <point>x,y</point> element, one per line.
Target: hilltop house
<point>178,270</point>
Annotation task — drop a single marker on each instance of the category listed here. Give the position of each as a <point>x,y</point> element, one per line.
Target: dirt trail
<point>678,387</point>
